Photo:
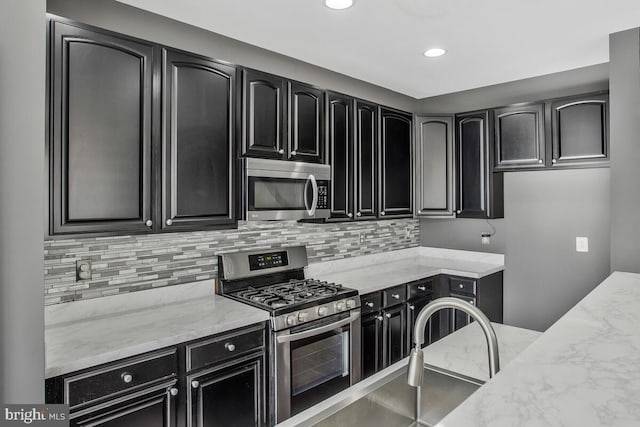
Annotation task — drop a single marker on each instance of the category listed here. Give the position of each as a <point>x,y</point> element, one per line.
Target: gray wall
<point>581,80</point>
<point>624,53</point>
<point>544,212</point>
<point>22,127</point>
<point>128,20</point>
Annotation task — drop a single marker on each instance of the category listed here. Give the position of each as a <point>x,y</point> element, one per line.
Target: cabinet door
<point>395,334</point>
<point>263,115</point>
<point>229,397</point>
<point>339,132</point>
<point>306,117</point>
<point>480,192</point>
<point>198,139</point>
<point>371,344</point>
<point>459,318</point>
<point>100,152</point>
<point>366,141</point>
<point>154,409</point>
<point>396,174</point>
<point>434,166</point>
<point>431,332</point>
<point>580,130</point>
<point>519,137</point>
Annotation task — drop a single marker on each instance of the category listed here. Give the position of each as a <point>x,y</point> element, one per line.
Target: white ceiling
<point>381,41</point>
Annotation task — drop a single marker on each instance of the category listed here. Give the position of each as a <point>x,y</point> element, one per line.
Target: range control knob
<point>322,311</point>
<point>291,320</point>
<point>351,303</point>
<point>302,317</point>
<point>341,306</point>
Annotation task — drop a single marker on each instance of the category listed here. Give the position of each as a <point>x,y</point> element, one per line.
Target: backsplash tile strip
<point>132,263</point>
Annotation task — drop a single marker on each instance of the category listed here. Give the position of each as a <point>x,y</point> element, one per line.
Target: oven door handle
<point>316,331</point>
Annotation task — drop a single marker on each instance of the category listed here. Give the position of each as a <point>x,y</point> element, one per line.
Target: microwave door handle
<point>314,184</point>
<point>317,331</point>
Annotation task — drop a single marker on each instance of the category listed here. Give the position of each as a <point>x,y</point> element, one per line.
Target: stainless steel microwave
<point>282,190</point>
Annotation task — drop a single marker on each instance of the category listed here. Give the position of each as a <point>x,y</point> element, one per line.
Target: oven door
<point>316,361</point>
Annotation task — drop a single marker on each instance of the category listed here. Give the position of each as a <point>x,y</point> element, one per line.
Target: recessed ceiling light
<point>338,4</point>
<point>435,52</point>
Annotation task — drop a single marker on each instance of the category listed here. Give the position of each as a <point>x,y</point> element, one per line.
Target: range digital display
<point>268,260</point>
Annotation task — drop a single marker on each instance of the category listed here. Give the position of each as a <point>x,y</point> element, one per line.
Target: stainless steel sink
<point>391,402</point>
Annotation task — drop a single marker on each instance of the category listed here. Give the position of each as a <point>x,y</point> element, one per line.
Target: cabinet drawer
<point>116,378</point>
<point>459,284</point>
<point>393,296</point>
<point>420,289</point>
<point>224,347</point>
<point>371,302</point>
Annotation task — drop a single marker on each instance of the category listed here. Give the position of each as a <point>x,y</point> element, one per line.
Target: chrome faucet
<point>416,362</point>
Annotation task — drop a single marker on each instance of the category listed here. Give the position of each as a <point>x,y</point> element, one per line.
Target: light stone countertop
<point>372,273</point>
<point>463,352</point>
<point>583,371</point>
<point>80,336</point>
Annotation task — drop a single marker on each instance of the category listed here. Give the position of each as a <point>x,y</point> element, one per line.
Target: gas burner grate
<point>289,293</point>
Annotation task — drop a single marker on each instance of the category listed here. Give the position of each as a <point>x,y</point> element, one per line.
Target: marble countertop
<point>583,371</point>
<point>371,273</point>
<point>85,335</point>
<point>463,352</point>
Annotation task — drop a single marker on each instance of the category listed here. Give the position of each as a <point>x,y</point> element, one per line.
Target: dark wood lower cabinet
<point>231,396</point>
<point>394,334</point>
<point>152,408</point>
<point>371,344</point>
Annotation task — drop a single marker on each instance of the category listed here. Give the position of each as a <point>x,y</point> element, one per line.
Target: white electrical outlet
<point>407,233</point>
<point>486,238</point>
<point>582,244</point>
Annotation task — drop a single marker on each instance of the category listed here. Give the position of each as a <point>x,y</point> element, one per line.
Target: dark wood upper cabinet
<point>434,166</point>
<point>480,191</point>
<point>306,119</point>
<point>263,118</point>
<point>366,142</point>
<point>395,164</point>
<point>580,130</point>
<point>519,137</point>
<point>199,103</point>
<point>340,142</point>
<point>100,131</point>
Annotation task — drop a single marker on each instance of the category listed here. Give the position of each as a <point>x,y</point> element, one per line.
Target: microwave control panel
<point>323,196</point>
<point>269,260</point>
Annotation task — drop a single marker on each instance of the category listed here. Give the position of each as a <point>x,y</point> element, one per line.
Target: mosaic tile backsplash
<point>133,263</point>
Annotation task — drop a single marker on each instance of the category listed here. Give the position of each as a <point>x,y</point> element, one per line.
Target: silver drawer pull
<point>195,384</point>
<point>422,288</point>
<point>230,346</point>
<point>388,315</point>
<point>369,304</point>
<point>173,391</point>
<point>379,318</point>
<point>461,286</point>
<point>281,151</point>
<point>396,296</point>
<point>412,307</point>
<point>126,377</point>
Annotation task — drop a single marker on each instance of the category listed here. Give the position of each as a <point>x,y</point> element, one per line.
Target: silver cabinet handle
<point>396,296</point>
<point>229,346</point>
<point>195,384</point>
<point>412,307</point>
<point>126,377</point>
<point>369,304</point>
<point>359,214</point>
<point>281,151</point>
<point>458,212</point>
<point>173,391</point>
<point>554,161</point>
<point>169,222</point>
<point>294,152</point>
<point>461,286</point>
<point>382,214</point>
<point>149,223</point>
<point>379,318</point>
<point>419,211</point>
<point>350,215</point>
<point>422,288</point>
<point>540,161</point>
<point>388,315</point>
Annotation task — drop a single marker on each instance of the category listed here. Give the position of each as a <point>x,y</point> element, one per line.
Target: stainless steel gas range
<point>315,325</point>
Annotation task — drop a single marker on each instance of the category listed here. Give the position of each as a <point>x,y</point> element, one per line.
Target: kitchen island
<point>583,371</point>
